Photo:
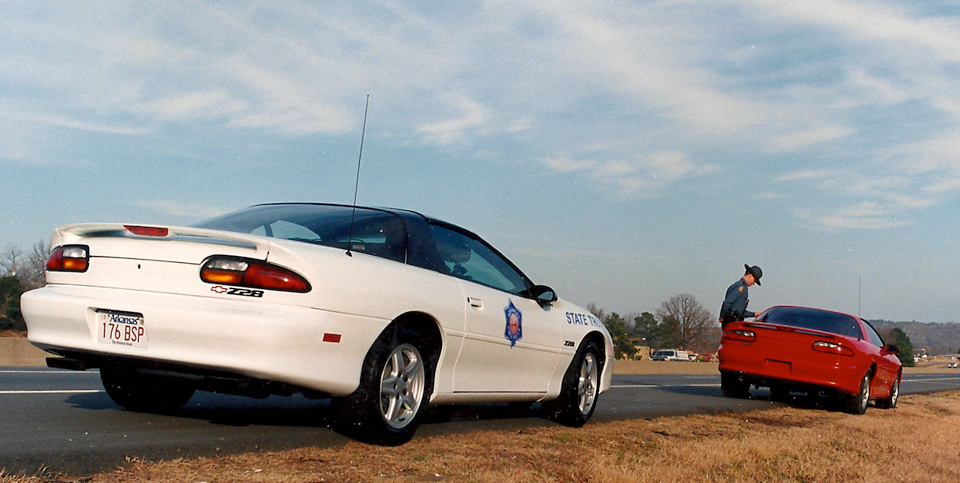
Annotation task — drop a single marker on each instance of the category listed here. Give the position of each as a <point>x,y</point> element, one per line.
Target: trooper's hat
<point>755,271</point>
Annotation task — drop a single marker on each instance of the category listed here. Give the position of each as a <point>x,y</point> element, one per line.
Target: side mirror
<point>892,349</point>
<point>543,295</point>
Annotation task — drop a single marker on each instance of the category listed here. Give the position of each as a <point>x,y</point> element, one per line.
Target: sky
<point>620,152</point>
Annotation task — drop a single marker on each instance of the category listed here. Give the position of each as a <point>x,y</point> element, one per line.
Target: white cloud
<point>805,175</point>
<point>176,208</point>
<point>470,116</point>
<point>194,105</point>
<point>567,165</point>
<point>767,196</point>
<point>800,139</point>
<point>633,176</point>
<point>874,21</point>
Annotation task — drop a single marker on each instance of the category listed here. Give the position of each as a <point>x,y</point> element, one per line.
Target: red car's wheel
<point>891,401</point>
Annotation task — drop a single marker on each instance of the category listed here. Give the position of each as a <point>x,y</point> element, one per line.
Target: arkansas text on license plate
<point>121,328</point>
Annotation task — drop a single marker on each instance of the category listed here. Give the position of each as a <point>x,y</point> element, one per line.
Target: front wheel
<point>891,401</point>
<point>138,392</point>
<point>394,389</point>
<point>580,388</point>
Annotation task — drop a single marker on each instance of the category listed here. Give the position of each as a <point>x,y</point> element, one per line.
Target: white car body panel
<point>280,336</point>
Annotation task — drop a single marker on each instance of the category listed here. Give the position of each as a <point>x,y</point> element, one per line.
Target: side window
<point>291,231</point>
<point>380,235</point>
<point>471,259</point>
<point>873,336</point>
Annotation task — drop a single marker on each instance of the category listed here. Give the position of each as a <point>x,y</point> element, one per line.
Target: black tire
<point>141,393</point>
<point>857,403</point>
<point>395,385</point>
<point>580,388</point>
<point>890,402</point>
<point>732,386</point>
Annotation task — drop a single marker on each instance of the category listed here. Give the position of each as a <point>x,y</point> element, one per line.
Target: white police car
<point>384,311</point>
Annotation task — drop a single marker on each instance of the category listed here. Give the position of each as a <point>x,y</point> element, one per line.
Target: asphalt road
<point>63,421</point>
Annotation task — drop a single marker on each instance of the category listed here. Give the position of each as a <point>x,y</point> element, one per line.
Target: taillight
<point>741,335</point>
<point>69,258</point>
<point>245,272</point>
<point>147,230</point>
<point>832,348</point>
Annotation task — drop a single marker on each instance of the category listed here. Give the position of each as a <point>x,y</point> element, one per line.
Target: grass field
<point>919,441</point>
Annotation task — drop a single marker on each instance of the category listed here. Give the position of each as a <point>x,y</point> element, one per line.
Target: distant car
<point>670,355</point>
<point>705,357</point>
<point>810,350</point>
<point>382,310</point>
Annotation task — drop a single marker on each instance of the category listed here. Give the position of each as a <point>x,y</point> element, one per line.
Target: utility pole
<point>859,292</point>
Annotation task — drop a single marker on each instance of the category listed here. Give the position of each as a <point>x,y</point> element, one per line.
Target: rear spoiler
<point>70,233</point>
<point>788,328</point>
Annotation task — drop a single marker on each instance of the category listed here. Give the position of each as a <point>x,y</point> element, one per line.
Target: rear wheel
<point>891,401</point>
<point>580,388</point>
<point>394,388</point>
<point>857,404</point>
<point>138,392</point>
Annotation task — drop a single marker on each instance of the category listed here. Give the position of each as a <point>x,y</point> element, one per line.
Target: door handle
<point>475,302</point>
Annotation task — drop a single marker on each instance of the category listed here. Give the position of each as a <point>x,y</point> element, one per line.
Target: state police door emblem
<point>514,329</point>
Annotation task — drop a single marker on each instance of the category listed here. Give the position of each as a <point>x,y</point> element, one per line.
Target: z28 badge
<point>243,292</point>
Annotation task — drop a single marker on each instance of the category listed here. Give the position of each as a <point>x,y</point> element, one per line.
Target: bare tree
<point>688,322</point>
<point>32,272</point>
<point>11,260</point>
<point>29,268</point>
<point>596,311</point>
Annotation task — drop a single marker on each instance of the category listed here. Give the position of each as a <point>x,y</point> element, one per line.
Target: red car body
<point>810,350</point>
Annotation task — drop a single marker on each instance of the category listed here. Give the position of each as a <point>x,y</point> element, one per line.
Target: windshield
<point>374,232</point>
<point>822,320</point>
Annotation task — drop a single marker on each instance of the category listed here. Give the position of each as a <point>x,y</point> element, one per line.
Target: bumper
<point>837,373</point>
<point>271,342</point>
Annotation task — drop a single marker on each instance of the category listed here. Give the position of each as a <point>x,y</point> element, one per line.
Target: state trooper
<point>735,302</point>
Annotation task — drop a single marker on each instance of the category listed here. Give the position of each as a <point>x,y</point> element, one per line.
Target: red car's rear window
<point>822,320</point>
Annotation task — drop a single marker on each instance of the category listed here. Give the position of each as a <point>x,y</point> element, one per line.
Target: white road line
<point>935,379</point>
<point>621,386</point>
<point>34,371</point>
<point>59,391</point>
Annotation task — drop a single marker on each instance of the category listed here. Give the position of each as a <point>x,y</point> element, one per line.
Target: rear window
<point>374,232</point>
<point>822,320</point>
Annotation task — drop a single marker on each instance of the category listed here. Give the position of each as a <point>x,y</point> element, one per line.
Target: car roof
<point>401,212</point>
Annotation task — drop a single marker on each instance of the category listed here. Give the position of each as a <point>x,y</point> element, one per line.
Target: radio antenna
<point>356,188</point>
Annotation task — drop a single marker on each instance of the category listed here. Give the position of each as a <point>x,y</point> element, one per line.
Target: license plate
<point>121,328</point>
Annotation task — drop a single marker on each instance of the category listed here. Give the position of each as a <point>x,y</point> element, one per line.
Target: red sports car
<point>810,350</point>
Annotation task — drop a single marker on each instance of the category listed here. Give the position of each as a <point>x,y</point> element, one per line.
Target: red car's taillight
<point>69,258</point>
<point>832,348</point>
<point>740,335</point>
<point>245,272</point>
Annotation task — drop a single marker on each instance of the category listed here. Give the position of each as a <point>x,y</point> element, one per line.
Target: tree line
<point>20,271</point>
<point>680,322</point>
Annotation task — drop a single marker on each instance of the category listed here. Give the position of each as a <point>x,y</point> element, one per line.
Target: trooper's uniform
<point>735,302</point>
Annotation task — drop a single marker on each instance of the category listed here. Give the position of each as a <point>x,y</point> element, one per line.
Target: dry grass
<point>918,441</point>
